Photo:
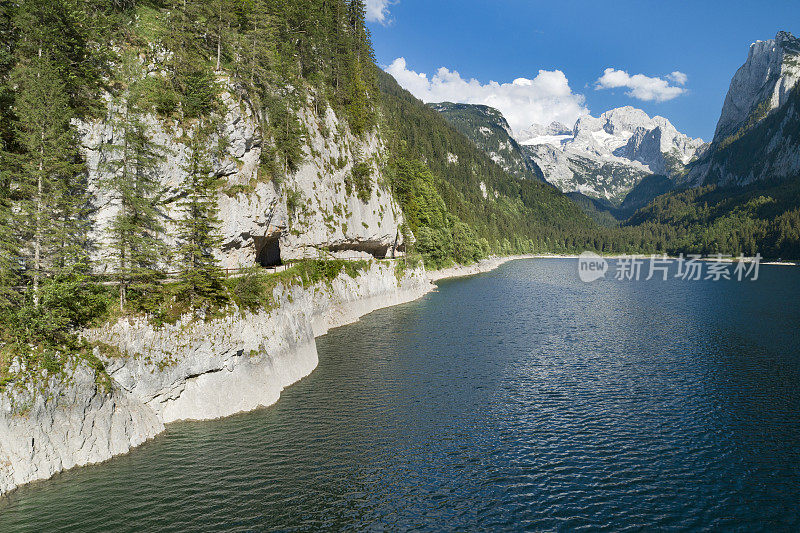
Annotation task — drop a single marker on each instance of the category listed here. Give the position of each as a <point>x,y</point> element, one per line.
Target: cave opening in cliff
<point>268,251</point>
<point>376,249</point>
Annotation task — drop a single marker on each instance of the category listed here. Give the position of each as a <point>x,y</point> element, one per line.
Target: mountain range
<point>619,162</point>
<point>603,157</point>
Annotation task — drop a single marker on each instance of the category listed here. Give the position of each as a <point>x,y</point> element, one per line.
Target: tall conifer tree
<point>201,276</point>
<point>48,167</point>
<point>136,232</point>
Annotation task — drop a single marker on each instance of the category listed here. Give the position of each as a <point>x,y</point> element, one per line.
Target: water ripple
<point>518,400</point>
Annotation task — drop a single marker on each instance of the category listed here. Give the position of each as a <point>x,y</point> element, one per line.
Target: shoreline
<point>484,265</point>
<point>227,366</point>
<point>636,256</point>
<point>212,380</point>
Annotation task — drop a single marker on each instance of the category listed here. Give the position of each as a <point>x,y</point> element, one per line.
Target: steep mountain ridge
<point>770,72</point>
<point>743,194</point>
<point>537,130</point>
<point>487,128</point>
<point>757,133</point>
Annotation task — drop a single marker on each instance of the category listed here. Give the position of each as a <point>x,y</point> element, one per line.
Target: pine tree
<point>7,40</point>
<point>136,232</point>
<point>191,76</point>
<point>48,166</point>
<point>259,49</point>
<point>201,276</point>
<point>359,58</point>
<point>9,241</point>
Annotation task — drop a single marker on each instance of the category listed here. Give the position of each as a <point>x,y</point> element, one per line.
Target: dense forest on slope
<point>488,129</point>
<point>606,214</point>
<point>759,218</point>
<point>65,61</point>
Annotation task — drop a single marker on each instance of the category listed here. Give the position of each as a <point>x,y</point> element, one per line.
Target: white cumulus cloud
<point>378,11</point>
<point>540,100</point>
<point>643,87</point>
<point>678,77</point>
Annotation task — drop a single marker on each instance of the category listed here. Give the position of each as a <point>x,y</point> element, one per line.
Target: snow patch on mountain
<point>606,156</point>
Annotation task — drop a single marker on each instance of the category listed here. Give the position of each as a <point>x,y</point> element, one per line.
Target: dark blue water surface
<point>518,399</point>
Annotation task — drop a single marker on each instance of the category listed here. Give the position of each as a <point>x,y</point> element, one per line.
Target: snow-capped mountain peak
<point>554,129</point>
<point>606,156</point>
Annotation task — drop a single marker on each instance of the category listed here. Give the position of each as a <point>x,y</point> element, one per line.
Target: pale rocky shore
<point>196,370</point>
<point>192,370</point>
<point>485,265</point>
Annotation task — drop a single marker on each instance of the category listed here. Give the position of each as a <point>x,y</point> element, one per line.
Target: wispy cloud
<point>378,11</point>
<point>540,100</point>
<point>678,77</point>
<point>643,87</point>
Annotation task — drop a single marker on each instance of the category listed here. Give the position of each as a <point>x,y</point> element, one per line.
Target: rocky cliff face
<point>193,369</point>
<point>606,156</point>
<point>756,137</point>
<point>76,423</point>
<point>309,209</point>
<point>762,84</point>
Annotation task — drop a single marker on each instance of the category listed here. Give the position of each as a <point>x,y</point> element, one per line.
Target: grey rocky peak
<point>557,128</point>
<point>626,119</point>
<point>755,136</point>
<point>606,156</point>
<point>538,130</point>
<point>761,84</point>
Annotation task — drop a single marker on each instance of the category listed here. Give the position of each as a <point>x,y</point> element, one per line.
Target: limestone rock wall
<point>190,370</point>
<point>306,210</point>
<point>74,424</point>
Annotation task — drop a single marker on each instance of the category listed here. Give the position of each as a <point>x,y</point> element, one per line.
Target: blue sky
<point>503,40</point>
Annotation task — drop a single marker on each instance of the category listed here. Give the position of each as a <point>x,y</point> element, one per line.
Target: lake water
<point>521,398</point>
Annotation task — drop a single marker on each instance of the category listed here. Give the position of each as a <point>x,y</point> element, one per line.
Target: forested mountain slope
<point>524,214</point>
<point>488,129</point>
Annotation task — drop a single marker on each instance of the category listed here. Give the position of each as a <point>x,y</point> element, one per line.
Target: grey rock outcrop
<point>767,77</point>
<point>75,423</point>
<point>309,209</point>
<point>193,369</point>
<point>755,139</point>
